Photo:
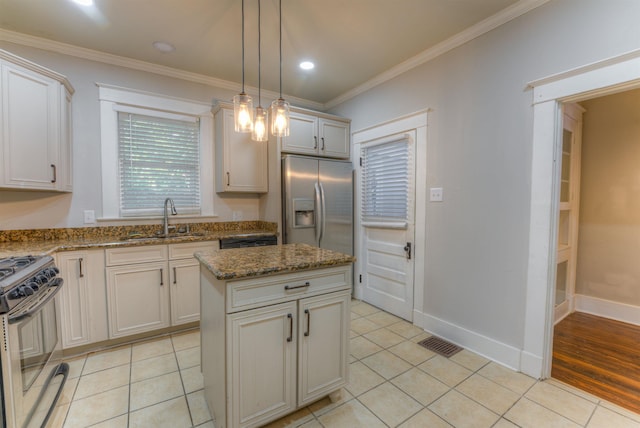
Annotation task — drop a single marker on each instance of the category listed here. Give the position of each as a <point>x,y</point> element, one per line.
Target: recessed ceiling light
<point>307,65</point>
<point>164,47</point>
<point>84,2</point>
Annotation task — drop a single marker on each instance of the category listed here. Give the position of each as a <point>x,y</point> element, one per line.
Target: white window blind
<point>385,182</point>
<point>158,158</point>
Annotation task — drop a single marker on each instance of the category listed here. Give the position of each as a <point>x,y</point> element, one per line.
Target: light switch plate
<point>435,194</point>
<point>89,216</point>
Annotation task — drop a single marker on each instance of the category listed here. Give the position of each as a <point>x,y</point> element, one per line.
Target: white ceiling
<point>351,41</point>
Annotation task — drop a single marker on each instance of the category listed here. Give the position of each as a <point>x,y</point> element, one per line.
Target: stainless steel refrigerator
<point>317,202</point>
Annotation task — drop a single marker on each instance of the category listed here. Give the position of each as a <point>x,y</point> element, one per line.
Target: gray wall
<point>609,235</point>
<point>479,150</point>
<point>27,210</point>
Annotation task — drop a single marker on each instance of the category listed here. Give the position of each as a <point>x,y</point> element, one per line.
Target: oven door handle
<point>50,293</point>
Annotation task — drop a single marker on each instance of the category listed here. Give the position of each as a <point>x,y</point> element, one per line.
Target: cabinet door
<point>138,298</point>
<point>30,129</point>
<point>83,302</point>
<point>334,138</point>
<point>323,325</point>
<point>303,135</point>
<point>244,167</point>
<point>185,290</point>
<point>261,364</point>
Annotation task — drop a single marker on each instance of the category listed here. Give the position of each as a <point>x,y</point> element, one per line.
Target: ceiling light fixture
<point>242,103</point>
<point>260,132</point>
<point>280,107</point>
<point>307,65</point>
<point>84,2</point>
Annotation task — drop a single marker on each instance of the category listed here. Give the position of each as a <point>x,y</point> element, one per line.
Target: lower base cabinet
<point>83,300</point>
<point>275,358</point>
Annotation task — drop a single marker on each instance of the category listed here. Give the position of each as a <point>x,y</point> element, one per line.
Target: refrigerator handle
<point>318,213</point>
<point>323,219</point>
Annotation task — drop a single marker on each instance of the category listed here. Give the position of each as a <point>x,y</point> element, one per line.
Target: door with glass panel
<point>386,191</point>
<point>569,194</point>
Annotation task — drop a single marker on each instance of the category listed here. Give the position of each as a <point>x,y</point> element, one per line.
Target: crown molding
<point>93,55</point>
<point>494,21</point>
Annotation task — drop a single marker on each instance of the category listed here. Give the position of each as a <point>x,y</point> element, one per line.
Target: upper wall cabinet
<point>241,163</point>
<point>35,127</point>
<point>317,135</point>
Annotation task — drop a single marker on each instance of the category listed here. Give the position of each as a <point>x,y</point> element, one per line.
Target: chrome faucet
<point>166,215</point>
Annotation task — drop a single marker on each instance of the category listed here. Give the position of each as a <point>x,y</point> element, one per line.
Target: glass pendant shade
<point>260,125</point>
<point>280,118</point>
<point>243,112</point>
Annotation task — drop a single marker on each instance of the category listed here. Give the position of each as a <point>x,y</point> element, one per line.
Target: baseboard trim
<point>607,309</point>
<point>489,348</point>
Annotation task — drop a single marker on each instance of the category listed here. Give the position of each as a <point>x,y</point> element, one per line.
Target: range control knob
<point>40,279</point>
<point>34,286</point>
<point>26,290</point>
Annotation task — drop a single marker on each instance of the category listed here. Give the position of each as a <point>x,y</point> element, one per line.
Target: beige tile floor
<point>394,382</point>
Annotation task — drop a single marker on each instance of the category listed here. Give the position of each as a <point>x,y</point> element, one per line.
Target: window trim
<point>114,99</point>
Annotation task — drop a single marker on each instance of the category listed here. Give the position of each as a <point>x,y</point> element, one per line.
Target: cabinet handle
<point>293,287</point>
<point>315,146</point>
<point>306,311</point>
<point>322,143</point>
<point>80,263</point>
<point>175,277</point>
<point>290,338</point>
<point>228,179</point>
<point>55,173</point>
<point>161,277</point>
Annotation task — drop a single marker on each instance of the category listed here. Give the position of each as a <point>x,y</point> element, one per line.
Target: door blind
<point>385,182</point>
<point>159,158</point>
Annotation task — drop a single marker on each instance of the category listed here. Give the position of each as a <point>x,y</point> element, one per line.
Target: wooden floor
<point>600,356</point>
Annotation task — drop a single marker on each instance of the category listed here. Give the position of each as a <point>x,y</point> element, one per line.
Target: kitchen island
<point>274,329</point>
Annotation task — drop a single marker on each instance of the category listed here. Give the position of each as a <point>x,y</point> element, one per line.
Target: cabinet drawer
<point>266,290</point>
<point>130,255</point>
<point>186,250</point>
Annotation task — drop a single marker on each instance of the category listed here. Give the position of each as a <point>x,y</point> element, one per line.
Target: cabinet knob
<point>322,143</point>
<point>55,174</point>
<point>290,338</point>
<point>315,145</point>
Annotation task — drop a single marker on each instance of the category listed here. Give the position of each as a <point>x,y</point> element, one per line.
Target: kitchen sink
<point>142,237</point>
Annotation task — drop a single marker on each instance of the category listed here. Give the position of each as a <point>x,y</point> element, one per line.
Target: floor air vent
<point>440,346</point>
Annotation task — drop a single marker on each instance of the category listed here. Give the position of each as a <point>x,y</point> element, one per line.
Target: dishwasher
<point>254,241</point>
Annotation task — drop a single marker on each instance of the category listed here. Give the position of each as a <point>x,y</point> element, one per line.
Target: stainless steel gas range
<point>30,353</point>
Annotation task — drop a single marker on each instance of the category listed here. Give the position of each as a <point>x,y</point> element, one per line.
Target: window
<point>154,148</point>
<point>158,158</point>
<point>385,182</point>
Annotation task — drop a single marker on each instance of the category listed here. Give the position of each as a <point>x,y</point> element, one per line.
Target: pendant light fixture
<point>260,132</point>
<point>242,103</point>
<point>280,107</point>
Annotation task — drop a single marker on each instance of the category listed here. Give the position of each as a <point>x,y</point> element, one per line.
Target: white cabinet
<point>35,127</point>
<point>280,346</point>
<point>83,302</point>
<point>241,163</point>
<point>262,356</point>
<point>317,135</point>
<point>138,296</point>
<point>153,287</point>
<point>323,342</point>
<point>184,272</point>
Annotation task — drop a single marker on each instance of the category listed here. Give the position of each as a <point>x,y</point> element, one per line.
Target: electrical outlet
<point>237,215</point>
<point>89,216</point>
<point>436,194</point>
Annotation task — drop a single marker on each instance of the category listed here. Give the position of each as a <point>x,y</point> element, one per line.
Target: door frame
<point>606,77</point>
<point>414,122</point>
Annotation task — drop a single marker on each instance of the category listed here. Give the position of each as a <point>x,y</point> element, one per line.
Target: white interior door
<point>569,203</point>
<point>386,188</point>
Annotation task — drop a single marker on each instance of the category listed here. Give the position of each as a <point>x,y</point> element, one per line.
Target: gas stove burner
<point>13,264</point>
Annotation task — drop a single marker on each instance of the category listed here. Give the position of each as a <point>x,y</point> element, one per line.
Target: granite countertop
<point>238,263</point>
<point>49,241</point>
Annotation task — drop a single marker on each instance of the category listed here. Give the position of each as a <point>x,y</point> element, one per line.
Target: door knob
<point>407,249</point>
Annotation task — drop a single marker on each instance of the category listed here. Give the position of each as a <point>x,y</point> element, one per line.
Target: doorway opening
<point>597,287</point>
<point>607,77</point>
